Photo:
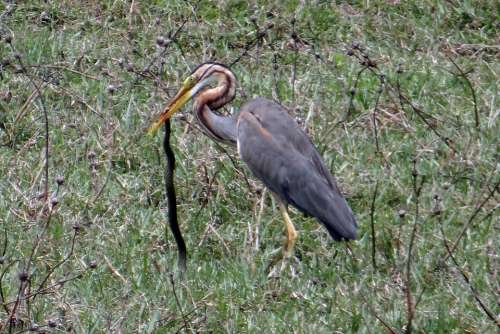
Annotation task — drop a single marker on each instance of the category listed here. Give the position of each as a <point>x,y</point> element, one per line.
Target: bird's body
<point>283,157</point>
<point>273,146</point>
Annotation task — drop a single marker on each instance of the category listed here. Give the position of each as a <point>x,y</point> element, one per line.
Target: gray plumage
<point>280,154</point>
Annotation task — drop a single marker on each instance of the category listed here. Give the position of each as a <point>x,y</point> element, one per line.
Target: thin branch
<point>172,39</point>
<point>352,93</point>
<point>473,92</point>
<point>4,304</point>
<point>491,193</point>
<point>420,113</point>
<point>6,241</point>
<point>65,68</point>
<point>66,258</point>
<point>375,109</point>
<point>409,298</point>
<point>46,121</point>
<point>372,224</point>
<point>49,287</point>
<point>476,295</point>
<point>26,270</point>
<point>259,35</point>
<point>372,67</point>
<point>172,282</point>
<point>379,318</point>
<point>295,56</point>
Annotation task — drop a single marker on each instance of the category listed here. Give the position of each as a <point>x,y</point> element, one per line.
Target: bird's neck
<point>220,128</point>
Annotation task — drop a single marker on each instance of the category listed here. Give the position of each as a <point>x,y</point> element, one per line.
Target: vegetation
<point>401,98</point>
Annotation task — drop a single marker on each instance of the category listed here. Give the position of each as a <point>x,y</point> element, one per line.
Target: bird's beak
<point>180,99</point>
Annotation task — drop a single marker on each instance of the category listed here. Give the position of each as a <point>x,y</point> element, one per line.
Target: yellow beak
<point>180,99</point>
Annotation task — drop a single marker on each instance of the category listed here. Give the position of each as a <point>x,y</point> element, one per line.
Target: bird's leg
<point>291,237</point>
<point>291,233</point>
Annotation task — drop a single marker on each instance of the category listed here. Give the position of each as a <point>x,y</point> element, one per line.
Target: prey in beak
<point>190,87</point>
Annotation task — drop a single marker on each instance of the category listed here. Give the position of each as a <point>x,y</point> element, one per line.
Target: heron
<point>273,146</point>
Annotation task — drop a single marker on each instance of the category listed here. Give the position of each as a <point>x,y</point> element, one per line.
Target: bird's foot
<point>280,263</point>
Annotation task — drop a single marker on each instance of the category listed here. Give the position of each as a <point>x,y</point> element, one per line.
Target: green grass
<point>113,173</point>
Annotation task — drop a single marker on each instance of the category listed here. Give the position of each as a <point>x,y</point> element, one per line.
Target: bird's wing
<point>276,120</point>
<point>272,154</point>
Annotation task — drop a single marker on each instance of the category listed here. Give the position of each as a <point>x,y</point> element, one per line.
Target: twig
<point>206,200</point>
<point>372,67</point>
<point>66,258</point>
<point>294,64</point>
<point>172,39</point>
<point>5,242</point>
<point>46,121</point>
<point>372,223</point>
<point>379,318</point>
<point>352,93</point>
<point>114,271</point>
<point>409,299</point>
<point>4,251</point>
<point>164,322</point>
<point>16,304</point>
<point>420,113</point>
<point>473,92</point>
<point>250,44</point>
<point>275,92</point>
<point>101,189</point>
<point>44,290</point>
<point>4,304</point>
<point>259,217</point>
<point>375,109</point>
<point>22,111</point>
<point>172,282</point>
<point>226,153</point>
<point>27,267</point>
<point>65,68</point>
<point>471,218</point>
<point>483,306</point>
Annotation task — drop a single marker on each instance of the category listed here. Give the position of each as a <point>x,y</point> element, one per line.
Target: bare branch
<point>491,192</point>
<point>409,298</point>
<point>372,223</point>
<point>465,276</point>
<point>473,92</point>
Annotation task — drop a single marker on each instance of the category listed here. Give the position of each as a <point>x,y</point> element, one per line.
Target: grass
<point>119,273</point>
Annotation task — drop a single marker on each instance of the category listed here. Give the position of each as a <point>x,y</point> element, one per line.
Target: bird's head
<point>212,83</point>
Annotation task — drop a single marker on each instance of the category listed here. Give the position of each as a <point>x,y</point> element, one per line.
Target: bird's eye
<point>189,82</point>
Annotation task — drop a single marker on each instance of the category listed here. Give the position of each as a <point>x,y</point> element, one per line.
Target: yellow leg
<point>291,237</point>
<point>291,233</point>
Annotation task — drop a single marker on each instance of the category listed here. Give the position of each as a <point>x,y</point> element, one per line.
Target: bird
<point>272,145</point>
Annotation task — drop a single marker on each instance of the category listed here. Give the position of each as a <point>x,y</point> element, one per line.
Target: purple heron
<point>272,145</point>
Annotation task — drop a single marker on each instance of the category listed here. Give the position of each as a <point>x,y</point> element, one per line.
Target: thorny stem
<point>4,304</point>
<point>409,299</point>
<point>294,65</point>
<point>375,109</point>
<point>472,217</point>
<point>476,295</point>
<point>44,290</point>
<point>473,92</point>
<point>379,318</point>
<point>372,224</point>
<point>259,36</point>
<point>46,121</point>
<point>66,258</point>
<point>352,93</point>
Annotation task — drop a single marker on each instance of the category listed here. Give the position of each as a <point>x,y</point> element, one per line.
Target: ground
<point>400,97</point>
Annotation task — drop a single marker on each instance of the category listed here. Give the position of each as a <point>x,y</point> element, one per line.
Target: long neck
<point>217,127</point>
